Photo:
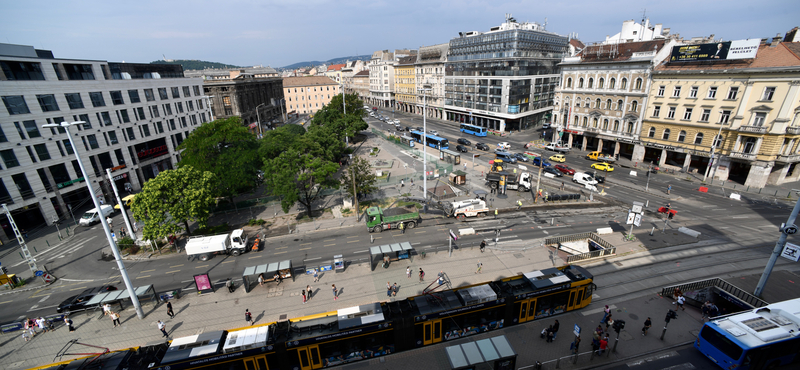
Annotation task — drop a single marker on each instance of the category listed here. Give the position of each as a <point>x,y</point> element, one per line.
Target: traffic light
<point>671,315</point>
<point>4,269</point>
<point>618,325</point>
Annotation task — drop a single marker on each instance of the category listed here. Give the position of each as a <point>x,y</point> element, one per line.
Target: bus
<point>473,130</point>
<point>432,140</point>
<point>761,338</point>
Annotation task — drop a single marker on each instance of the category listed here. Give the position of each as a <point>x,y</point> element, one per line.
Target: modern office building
<point>134,115</point>
<point>307,95</point>
<point>503,79</point>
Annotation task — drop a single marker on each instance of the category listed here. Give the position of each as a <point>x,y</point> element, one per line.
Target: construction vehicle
<point>497,165</point>
<point>509,181</point>
<point>600,157</point>
<point>379,219</point>
<point>204,247</point>
<point>462,209</point>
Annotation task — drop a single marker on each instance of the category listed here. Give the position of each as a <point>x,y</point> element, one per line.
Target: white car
<point>396,121</point>
<point>504,145</point>
<point>433,132</point>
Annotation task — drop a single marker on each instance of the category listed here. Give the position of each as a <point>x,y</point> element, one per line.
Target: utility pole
<point>787,229</point>
<point>21,240</point>
<point>355,192</point>
<point>121,206</point>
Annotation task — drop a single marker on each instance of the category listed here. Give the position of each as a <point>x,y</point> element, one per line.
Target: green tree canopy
<point>360,174</point>
<point>173,198</point>
<point>337,123</point>
<point>277,141</point>
<point>225,148</point>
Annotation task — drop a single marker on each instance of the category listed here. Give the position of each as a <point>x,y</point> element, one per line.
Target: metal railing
<point>721,284</point>
<point>607,251</point>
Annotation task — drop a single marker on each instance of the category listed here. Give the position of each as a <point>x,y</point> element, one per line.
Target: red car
<point>565,169</point>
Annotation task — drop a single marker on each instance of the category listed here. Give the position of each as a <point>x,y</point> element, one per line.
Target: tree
<point>364,176</point>
<point>173,198</point>
<point>225,148</point>
<point>339,124</point>
<point>277,141</point>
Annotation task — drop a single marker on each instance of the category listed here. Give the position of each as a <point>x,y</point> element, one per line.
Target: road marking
<point>255,257</point>
<point>146,271</point>
<point>172,272</point>
<point>420,232</point>
<point>280,252</point>
<point>6,302</point>
<point>304,249</point>
<point>311,259</point>
<point>718,209</point>
<point>281,247</point>
<point>352,241</point>
<point>360,251</point>
<point>354,236</point>
<point>741,216</point>
<point>176,266</point>
<point>83,287</point>
<point>545,231</point>
<point>230,261</point>
<point>328,240</point>
<point>377,237</point>
<point>201,266</point>
<point>328,245</point>
<point>306,244</point>
<point>142,277</point>
<point>415,243</point>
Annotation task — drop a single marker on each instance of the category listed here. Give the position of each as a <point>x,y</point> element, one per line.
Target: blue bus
<point>761,338</point>
<point>432,140</point>
<point>474,130</point>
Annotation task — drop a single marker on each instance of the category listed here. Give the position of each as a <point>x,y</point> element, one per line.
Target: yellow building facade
<point>405,89</point>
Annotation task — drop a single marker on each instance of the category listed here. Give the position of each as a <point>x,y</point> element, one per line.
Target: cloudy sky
<point>282,32</point>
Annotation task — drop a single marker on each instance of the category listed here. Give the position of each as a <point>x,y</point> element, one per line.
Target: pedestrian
<point>40,324</point>
<point>606,312</point>
<point>495,213</point>
<point>575,344</point>
<point>603,345</point>
<point>441,277</point>
<point>229,284</point>
<point>480,266</point>
<point>303,292</point>
<point>609,321</point>
<point>408,272</point>
<point>402,228</point>
<point>308,291</point>
<point>680,302</point>
<point>519,204</point>
<point>562,186</point>
<point>335,292</point>
<point>669,188</point>
<point>483,245</point>
<point>68,322</point>
<point>110,224</point>
<point>713,311</point>
<point>394,290</point>
<point>555,329</point>
<point>115,319</point>
<point>646,326</point>
<point>261,279</point>
<point>163,327</point>
<point>316,275</point>
<point>248,317</point>
<point>402,183</point>
<point>549,335</point>
<point>388,289</point>
<point>421,275</point>
<point>106,309</point>
<point>135,226</point>
<point>677,292</point>
<point>169,310</point>
<point>30,327</point>
<point>597,333</point>
<point>122,232</point>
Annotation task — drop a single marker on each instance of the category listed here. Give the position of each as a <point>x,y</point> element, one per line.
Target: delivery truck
<point>204,247</point>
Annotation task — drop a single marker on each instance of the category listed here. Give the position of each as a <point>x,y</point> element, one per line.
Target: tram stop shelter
<point>450,156</point>
<point>119,296</point>
<point>407,140</point>
<point>495,352</point>
<point>250,274</point>
<point>390,252</point>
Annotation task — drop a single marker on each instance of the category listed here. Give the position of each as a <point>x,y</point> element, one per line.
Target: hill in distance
<point>339,60</point>
<point>194,64</point>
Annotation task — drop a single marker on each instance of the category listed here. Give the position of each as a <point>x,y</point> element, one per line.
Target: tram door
<point>575,298</point>
<point>309,357</point>
<point>256,363</point>
<point>432,331</point>
<point>527,310</point>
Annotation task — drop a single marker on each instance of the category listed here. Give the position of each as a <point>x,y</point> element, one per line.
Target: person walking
<point>248,316</point>
<point>495,213</point>
<point>40,324</point>
<point>122,232</point>
<point>169,310</point>
<point>229,284</point>
<point>421,275</point>
<point>646,326</point>
<point>519,204</point>
<point>549,335</point>
<point>109,221</point>
<point>394,290</point>
<point>480,266</point>
<point>562,186</point>
<point>308,291</point>
<point>335,292</point>
<point>603,345</point>
<point>681,300</point>
<point>106,309</point>
<point>606,312</point>
<point>68,322</point>
<point>609,322</point>
<point>575,345</point>
<point>303,292</point>
<point>555,329</point>
<point>388,289</point>
<point>402,228</point>
<point>483,245</point>
<point>115,319</point>
<point>163,327</point>
<point>669,189</point>
<point>316,275</point>
<point>408,272</point>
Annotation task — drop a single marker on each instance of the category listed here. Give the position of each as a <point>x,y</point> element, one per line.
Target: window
<point>191,105</point>
<point>92,141</point>
<point>180,106</point>
<point>148,95</point>
<point>124,114</point>
<point>656,110</point>
<point>23,186</point>
<point>634,106</point>
<point>616,125</point>
<point>623,84</point>
<point>167,109</point>
<point>41,151</point>
<point>159,128</point>
<point>732,92</point>
<point>22,70</point>
<point>724,116</point>
<point>681,136</point>
<point>717,141</point>
<point>759,118</point>
<point>47,102</point>
<point>687,114</point>
<point>74,100</point>
<point>712,92</point>
<point>146,130</point>
<point>16,104</point>
<point>665,135</point>
<point>698,139</point>
<point>661,91</point>
<point>594,123</point>
<point>676,92</point>
<point>693,92</point>
<point>580,83</point>
<point>652,132</point>
<point>597,103</point>
<point>176,92</point>
<point>154,111</point>
<point>120,157</point>
<point>601,83</point>
<point>749,145</point>
<point>705,115</point>
<point>116,97</point>
<point>32,129</point>
<point>87,124</point>
<point>131,136</point>
<point>638,84</point>
<point>620,105</point>
<point>608,104</point>
<point>569,82</point>
<point>97,99</point>
<point>671,113</point>
<point>79,71</point>
<point>139,112</point>
<point>612,83</point>
<point>9,158</point>
<point>591,83</point>
<point>186,92</point>
<point>105,119</point>
<point>196,90</point>
<point>134,96</point>
<point>3,138</point>
<point>768,93</point>
<point>605,124</point>
<point>112,135</point>
<point>162,93</point>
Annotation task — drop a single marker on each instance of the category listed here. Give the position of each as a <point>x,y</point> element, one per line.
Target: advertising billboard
<point>729,50</point>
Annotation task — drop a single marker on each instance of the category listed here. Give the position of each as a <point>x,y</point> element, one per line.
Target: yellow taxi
<point>558,158</point>
<point>603,167</point>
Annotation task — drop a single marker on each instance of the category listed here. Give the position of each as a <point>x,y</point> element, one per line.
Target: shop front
<point>153,158</point>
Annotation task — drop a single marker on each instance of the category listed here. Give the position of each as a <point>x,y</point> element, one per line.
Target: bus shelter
<point>143,293</point>
<point>496,352</point>
<point>270,270</point>
<point>450,156</point>
<point>385,254</point>
<point>407,140</point>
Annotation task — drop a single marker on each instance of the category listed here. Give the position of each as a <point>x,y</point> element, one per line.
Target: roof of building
<point>784,54</point>
<point>433,53</point>
<point>362,73</point>
<point>336,67</point>
<point>577,43</point>
<point>227,71</point>
<point>308,81</point>
<point>603,53</point>
<point>409,60</point>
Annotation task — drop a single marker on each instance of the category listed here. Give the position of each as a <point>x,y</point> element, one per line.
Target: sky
<point>281,32</point>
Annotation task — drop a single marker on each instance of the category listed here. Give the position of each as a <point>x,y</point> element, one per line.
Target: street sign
<point>789,230</point>
<point>637,220</point>
<point>453,235</point>
<point>791,252</point>
<point>637,207</point>
<point>577,330</point>
<point>631,216</point>
<point>39,273</point>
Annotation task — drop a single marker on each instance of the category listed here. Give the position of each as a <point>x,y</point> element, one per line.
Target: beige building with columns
<point>307,95</point>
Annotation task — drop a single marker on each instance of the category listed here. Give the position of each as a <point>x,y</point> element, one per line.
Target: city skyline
<point>280,33</point>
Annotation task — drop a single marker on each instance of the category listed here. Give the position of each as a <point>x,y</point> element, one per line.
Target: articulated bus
<point>762,338</point>
<point>432,140</point>
<point>474,130</point>
<point>366,331</point>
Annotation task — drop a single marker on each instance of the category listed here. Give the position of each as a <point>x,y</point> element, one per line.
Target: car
<point>408,128</point>
<point>461,140</point>
<point>78,302</point>
<point>546,125</point>
<point>398,128</point>
<point>543,162</point>
<point>371,114</point>
<point>552,171</point>
<point>599,179</point>
<point>481,146</point>
<point>557,148</point>
<point>501,150</point>
<point>603,167</point>
<point>521,157</point>
<point>558,158</point>
<point>433,132</point>
<point>504,145</point>
<point>420,129</point>
<point>565,169</point>
<point>396,121</point>
<point>461,148</point>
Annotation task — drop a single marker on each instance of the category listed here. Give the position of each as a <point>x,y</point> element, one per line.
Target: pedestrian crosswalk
<point>61,250</point>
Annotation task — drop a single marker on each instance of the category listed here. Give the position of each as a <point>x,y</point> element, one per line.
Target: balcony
<point>791,130</point>
<point>753,129</point>
<point>742,155</point>
<point>788,158</point>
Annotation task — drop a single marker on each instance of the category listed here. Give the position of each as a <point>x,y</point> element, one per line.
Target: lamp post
<point>713,147</point>
<point>258,117</point>
<point>344,110</point>
<point>210,111</point>
<point>106,229</point>
<point>425,88</point>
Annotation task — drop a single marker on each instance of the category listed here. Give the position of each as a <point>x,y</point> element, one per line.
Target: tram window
<point>551,305</point>
<point>262,363</point>
<point>304,358</point>
<point>578,296</point>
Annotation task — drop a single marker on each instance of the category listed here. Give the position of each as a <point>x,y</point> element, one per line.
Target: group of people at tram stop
<point>30,326</point>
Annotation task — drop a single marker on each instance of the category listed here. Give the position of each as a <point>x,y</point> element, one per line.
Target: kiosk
<point>338,263</point>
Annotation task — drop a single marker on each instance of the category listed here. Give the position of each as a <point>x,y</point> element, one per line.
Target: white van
<point>583,179</point>
<point>92,216</point>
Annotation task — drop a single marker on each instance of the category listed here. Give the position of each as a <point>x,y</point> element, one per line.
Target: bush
<point>212,230</point>
<point>256,222</point>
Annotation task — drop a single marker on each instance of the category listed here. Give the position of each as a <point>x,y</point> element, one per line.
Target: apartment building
<point>361,85</point>
<point>307,95</point>
<point>134,115</point>
<point>405,88</point>
<point>381,76</point>
<point>429,71</point>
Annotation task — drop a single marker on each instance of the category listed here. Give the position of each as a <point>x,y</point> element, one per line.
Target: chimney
<point>775,41</point>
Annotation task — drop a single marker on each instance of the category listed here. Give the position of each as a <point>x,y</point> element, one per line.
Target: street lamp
<point>106,229</point>
<point>426,88</point>
<point>713,147</point>
<point>258,117</point>
<point>210,111</point>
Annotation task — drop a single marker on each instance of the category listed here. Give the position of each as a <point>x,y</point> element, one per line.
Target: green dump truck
<point>379,219</point>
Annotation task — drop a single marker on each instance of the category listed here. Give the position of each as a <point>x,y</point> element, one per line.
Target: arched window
<point>717,141</point>
<point>580,83</point>
<point>576,121</point>
<point>608,104</point>
<point>634,106</point>
<point>594,123</point>
<point>681,136</point>
<point>600,83</point>
<point>665,135</point>
<point>585,121</point>
<point>624,84</point>
<point>569,82</point>
<point>605,124</point>
<point>638,84</point>
<point>578,103</point>
<point>652,132</point>
<point>591,83</point>
<point>698,139</point>
<point>612,83</point>
<point>616,125</point>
